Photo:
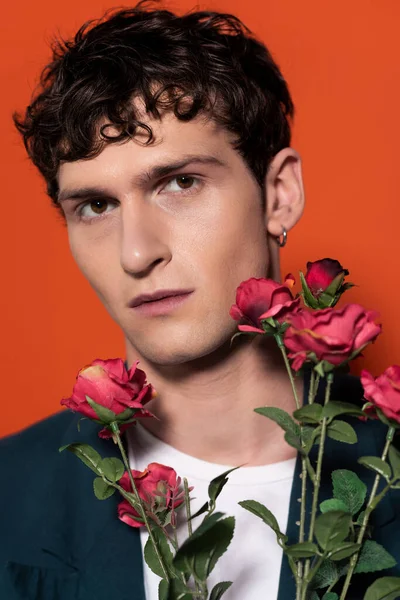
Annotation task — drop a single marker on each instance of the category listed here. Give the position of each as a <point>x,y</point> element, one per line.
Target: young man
<point>165,145</point>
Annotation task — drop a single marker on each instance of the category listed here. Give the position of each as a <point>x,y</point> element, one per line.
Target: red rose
<point>322,284</point>
<point>110,385</point>
<point>258,299</point>
<point>383,392</point>
<point>158,487</point>
<point>333,335</point>
<point>321,273</point>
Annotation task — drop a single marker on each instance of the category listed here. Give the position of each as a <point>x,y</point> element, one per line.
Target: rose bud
<point>382,393</point>
<point>105,392</point>
<point>159,489</point>
<point>322,285</point>
<point>334,336</point>
<point>258,299</point>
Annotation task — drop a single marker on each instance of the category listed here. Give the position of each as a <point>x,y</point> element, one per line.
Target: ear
<point>284,192</point>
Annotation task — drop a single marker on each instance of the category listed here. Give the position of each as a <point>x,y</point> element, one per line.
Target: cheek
<point>240,247</point>
<point>94,260</point>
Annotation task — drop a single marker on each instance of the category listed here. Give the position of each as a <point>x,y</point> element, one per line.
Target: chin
<point>177,351</point>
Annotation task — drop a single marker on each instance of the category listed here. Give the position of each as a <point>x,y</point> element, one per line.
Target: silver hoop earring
<point>278,239</point>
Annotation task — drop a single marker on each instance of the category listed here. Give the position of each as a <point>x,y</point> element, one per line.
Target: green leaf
<point>281,417</point>
<point>219,589</point>
<point>335,284</point>
<point>376,464</point>
<point>150,555</point>
<point>373,557</point>
<point>113,468</point>
<point>207,524</point>
<point>261,511</point>
<point>126,414</point>
<point>178,591</point>
<point>200,552</point>
<point>349,488</point>
<point>101,489</point>
<point>341,432</point>
<point>394,459</point>
<point>294,441</point>
<point>333,409</point>
<point>314,595</point>
<point>381,415</point>
<point>310,413</point>
<point>333,504</point>
<point>385,588</point>
<point>302,550</point>
<point>87,454</point>
<point>330,596</point>
<point>360,518</point>
<point>309,436</point>
<point>217,484</point>
<point>163,590</point>
<point>326,574</point>
<point>201,511</point>
<point>105,415</point>
<point>344,550</point>
<point>331,528</point>
<point>309,299</point>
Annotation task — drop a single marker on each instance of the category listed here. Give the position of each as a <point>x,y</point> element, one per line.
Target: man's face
<point>200,227</point>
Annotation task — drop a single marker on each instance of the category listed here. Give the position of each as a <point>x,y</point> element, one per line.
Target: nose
<point>144,239</point>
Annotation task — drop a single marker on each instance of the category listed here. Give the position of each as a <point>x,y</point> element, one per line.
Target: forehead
<point>172,138</point>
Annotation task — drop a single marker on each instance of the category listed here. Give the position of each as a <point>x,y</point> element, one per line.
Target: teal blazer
<point>58,542</point>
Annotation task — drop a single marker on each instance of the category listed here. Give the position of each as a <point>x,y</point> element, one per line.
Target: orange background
<point>341,60</point>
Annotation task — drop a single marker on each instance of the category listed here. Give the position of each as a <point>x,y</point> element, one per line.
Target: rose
<point>322,284</point>
<point>113,388</point>
<point>159,488</point>
<point>321,273</point>
<point>383,392</point>
<point>258,299</point>
<point>332,335</point>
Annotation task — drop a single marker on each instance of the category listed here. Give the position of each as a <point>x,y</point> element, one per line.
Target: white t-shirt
<point>253,559</point>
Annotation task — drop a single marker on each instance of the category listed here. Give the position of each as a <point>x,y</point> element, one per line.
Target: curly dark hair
<point>201,62</point>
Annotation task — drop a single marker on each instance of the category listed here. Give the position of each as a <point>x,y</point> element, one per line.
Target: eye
<point>185,182</point>
<point>96,205</point>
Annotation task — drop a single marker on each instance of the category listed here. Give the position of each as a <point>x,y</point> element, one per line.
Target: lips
<point>159,295</point>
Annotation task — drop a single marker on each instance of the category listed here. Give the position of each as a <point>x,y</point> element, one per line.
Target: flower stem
<point>189,523</point>
<point>281,345</point>
<point>115,430</point>
<point>368,510</point>
<point>317,481</point>
<point>299,575</point>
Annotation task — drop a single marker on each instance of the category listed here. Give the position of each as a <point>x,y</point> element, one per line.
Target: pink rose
<point>159,488</point>
<point>333,335</point>
<point>110,385</point>
<point>258,299</point>
<point>383,392</point>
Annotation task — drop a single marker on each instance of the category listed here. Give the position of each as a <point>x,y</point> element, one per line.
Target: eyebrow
<point>155,172</point>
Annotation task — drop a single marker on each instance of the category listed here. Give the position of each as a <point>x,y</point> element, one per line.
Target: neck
<point>205,408</point>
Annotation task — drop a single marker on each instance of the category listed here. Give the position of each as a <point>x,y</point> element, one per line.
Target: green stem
<point>299,575</point>
<point>115,430</point>
<point>189,524</point>
<point>368,510</point>
<point>317,481</point>
<point>281,345</point>
<point>311,388</point>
